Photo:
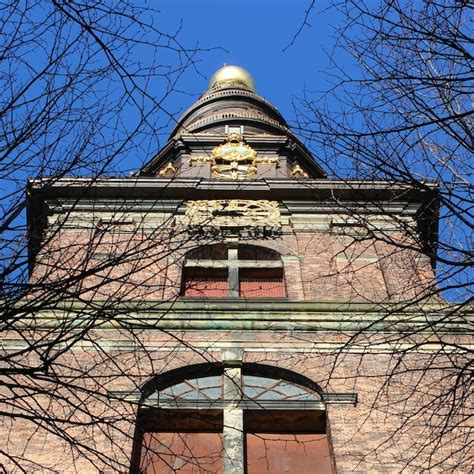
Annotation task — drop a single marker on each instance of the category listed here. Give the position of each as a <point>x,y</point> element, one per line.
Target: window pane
<point>205,388</point>
<point>181,453</point>
<point>176,391</point>
<point>262,283</point>
<point>294,392</point>
<point>205,282</point>
<point>262,388</point>
<point>287,453</point>
<point>209,387</point>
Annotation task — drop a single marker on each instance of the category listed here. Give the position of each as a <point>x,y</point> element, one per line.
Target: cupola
<point>232,133</point>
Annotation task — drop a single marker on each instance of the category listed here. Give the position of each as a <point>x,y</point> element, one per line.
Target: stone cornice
<point>262,315</point>
<point>311,195</point>
<point>189,188</point>
<point>228,94</point>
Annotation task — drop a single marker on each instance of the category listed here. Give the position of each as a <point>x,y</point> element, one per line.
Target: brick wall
<point>319,264</point>
<point>378,434</point>
<point>121,263</point>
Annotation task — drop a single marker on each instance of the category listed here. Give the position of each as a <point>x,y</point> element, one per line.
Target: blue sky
<point>253,34</point>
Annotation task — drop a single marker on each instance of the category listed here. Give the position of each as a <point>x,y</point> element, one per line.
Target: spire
<point>233,133</point>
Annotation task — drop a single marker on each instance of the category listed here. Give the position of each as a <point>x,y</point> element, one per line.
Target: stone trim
<point>308,346</point>
<point>236,314</point>
<point>328,398</point>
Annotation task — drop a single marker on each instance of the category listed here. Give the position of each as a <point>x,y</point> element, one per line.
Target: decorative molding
<point>328,398</point>
<point>267,160</point>
<point>216,118</point>
<point>254,316</point>
<point>340,398</point>
<point>201,160</point>
<point>299,342</point>
<point>233,213</point>
<point>134,397</point>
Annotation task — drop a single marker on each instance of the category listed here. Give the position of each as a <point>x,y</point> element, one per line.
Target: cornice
<point>151,193</point>
<point>226,94</point>
<point>262,315</point>
<point>309,187</point>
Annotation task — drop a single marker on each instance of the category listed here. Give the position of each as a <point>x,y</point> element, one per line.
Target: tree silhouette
<point>83,91</point>
<point>400,109</point>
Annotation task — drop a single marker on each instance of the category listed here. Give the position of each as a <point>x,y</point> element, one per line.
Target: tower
<point>233,309</point>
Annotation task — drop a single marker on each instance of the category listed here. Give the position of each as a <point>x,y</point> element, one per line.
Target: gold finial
<point>232,75</point>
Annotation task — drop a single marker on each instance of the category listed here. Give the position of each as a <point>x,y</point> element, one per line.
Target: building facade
<point>231,308</point>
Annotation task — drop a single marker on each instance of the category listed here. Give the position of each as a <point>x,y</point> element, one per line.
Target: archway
<point>251,418</point>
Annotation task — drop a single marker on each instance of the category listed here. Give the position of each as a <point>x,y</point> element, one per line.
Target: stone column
<point>233,431</point>
<point>233,259</point>
<point>233,441</point>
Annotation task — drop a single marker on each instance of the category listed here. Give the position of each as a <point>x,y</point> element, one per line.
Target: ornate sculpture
<point>168,170</point>
<point>298,172</point>
<point>201,159</point>
<point>234,159</point>
<point>233,213</point>
<point>267,160</point>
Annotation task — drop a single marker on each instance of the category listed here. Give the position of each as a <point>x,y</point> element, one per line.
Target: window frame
<point>236,268</point>
<point>233,418</point>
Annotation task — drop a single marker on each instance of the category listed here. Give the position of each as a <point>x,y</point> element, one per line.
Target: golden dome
<point>232,75</point>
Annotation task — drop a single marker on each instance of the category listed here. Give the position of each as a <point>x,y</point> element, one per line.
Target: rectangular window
<point>274,441</point>
<point>287,453</point>
<point>234,129</point>
<point>183,453</point>
<point>261,283</point>
<point>205,283</point>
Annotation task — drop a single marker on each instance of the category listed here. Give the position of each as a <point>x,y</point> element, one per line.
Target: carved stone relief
<point>168,170</point>
<point>233,213</point>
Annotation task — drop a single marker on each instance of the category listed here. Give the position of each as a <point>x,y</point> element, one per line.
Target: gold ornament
<point>234,150</point>
<point>233,213</point>
<point>267,160</point>
<point>234,159</point>
<point>298,172</point>
<point>168,170</point>
<point>200,160</point>
<point>232,75</point>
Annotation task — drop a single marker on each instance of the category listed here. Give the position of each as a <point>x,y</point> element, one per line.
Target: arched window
<point>244,271</point>
<point>250,419</point>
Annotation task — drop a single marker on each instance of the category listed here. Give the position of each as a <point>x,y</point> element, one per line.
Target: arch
<point>180,374</point>
<point>209,252</point>
<point>186,419</point>
<point>291,376</point>
<point>257,252</point>
<point>171,377</point>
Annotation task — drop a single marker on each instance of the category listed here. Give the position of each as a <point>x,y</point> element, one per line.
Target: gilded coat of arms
<point>234,159</point>
<point>233,213</point>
